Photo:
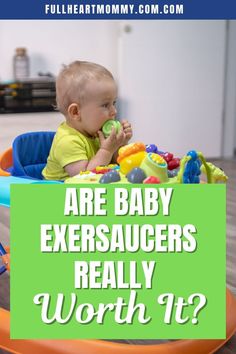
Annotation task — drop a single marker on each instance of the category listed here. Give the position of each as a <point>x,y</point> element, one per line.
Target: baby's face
<point>98,105</point>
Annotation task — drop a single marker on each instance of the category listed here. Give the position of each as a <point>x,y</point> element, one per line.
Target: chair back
<point>30,153</point>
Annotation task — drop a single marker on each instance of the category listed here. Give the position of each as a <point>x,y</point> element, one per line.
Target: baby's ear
<point>74,111</point>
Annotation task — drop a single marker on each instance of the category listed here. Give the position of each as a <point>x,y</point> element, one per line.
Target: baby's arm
<point>103,156</point>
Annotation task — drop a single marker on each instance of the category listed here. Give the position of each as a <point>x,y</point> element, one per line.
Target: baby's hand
<point>113,142</point>
<point>127,129</point>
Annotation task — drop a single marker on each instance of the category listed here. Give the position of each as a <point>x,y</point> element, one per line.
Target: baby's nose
<point>113,111</point>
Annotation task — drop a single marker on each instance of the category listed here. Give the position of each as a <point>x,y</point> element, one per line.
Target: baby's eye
<point>105,105</point>
<point>114,103</point>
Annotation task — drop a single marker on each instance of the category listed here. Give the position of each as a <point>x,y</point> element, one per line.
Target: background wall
<point>53,43</point>
<point>174,90</point>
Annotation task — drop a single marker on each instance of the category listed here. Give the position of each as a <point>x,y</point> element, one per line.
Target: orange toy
<point>130,149</point>
<point>5,162</point>
<point>131,156</point>
<point>103,347</point>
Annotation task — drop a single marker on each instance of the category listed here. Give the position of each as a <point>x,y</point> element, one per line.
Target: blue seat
<point>30,153</point>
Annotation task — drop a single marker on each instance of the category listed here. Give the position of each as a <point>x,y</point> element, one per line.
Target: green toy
<point>108,125</point>
<point>155,165</point>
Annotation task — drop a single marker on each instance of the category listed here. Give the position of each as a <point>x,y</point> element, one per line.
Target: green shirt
<point>68,146</point>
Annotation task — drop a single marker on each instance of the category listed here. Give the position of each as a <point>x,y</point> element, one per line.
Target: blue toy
<point>110,177</point>
<point>192,169</point>
<point>136,175</point>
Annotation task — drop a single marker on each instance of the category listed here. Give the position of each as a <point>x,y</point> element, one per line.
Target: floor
<point>229,166</point>
<point>230,169</point>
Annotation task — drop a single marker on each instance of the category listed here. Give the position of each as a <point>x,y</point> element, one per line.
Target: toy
<point>173,173</point>
<point>108,125</point>
<point>136,175</point>
<point>105,169</point>
<point>151,180</point>
<point>217,174</point>
<point>155,165</point>
<point>152,148</point>
<point>109,177</point>
<point>131,156</point>
<point>190,168</point>
<point>172,162</point>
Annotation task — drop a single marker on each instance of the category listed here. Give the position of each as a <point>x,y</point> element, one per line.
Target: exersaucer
<point>137,155</point>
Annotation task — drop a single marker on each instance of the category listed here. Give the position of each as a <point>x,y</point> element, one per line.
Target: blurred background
<point>177,79</point>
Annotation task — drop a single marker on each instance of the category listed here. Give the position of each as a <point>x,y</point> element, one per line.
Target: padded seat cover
<point>30,153</point>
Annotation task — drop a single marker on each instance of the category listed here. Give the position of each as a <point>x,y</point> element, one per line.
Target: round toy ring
<point>108,125</point>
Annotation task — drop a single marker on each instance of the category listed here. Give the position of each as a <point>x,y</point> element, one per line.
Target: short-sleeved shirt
<point>68,146</point>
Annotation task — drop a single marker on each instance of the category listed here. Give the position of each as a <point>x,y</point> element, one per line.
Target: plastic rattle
<point>108,125</point>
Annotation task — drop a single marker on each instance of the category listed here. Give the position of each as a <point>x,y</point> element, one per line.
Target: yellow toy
<point>131,156</point>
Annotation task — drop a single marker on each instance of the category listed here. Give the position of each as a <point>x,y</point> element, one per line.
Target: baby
<point>86,95</point>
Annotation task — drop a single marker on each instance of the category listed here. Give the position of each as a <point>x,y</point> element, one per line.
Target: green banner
<point>118,261</point>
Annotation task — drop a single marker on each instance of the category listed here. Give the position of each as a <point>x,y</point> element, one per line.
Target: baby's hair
<point>71,81</point>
